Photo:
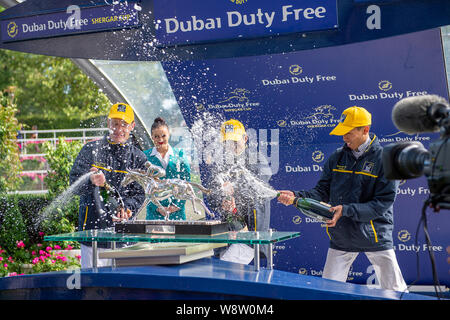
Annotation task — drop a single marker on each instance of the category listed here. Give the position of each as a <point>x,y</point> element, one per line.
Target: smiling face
<point>119,130</point>
<point>356,137</point>
<point>160,137</point>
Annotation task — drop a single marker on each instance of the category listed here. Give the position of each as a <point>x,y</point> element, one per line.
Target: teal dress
<point>178,167</point>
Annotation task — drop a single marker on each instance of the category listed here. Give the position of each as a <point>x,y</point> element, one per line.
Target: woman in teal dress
<point>176,166</point>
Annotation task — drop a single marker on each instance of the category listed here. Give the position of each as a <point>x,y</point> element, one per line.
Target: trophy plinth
<point>199,227</point>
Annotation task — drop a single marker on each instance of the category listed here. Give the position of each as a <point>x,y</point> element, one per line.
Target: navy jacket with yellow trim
<point>113,160</point>
<point>366,195</point>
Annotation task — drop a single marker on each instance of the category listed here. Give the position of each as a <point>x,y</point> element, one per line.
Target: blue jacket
<point>113,160</point>
<point>177,168</point>
<point>366,195</point>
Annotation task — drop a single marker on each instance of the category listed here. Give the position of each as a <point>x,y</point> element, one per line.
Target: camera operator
<point>362,200</point>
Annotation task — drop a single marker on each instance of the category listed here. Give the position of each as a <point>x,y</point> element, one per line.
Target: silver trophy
<point>157,189</point>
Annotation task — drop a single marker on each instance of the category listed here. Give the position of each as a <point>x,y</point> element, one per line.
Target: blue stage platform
<point>203,279</point>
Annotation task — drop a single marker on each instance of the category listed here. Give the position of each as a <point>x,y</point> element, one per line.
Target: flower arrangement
<point>51,259</point>
<point>36,258</point>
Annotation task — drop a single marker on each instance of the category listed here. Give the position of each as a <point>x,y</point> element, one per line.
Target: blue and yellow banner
<point>195,30</point>
<point>73,20</point>
<point>193,21</point>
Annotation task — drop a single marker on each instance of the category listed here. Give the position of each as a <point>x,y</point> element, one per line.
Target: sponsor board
<point>192,21</point>
<point>73,20</point>
<point>302,95</point>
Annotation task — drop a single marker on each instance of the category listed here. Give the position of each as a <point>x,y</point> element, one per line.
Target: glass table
<point>255,238</point>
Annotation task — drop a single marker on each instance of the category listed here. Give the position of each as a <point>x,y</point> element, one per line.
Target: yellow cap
<point>121,111</point>
<point>351,118</point>
<point>232,130</point>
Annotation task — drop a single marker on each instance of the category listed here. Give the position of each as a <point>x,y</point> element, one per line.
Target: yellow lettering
<point>124,17</point>
<point>109,19</point>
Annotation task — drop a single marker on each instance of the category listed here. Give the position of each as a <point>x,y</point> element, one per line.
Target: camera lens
<point>404,160</point>
<point>410,159</point>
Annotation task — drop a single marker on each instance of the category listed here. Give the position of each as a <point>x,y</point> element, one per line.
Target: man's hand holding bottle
<point>98,178</point>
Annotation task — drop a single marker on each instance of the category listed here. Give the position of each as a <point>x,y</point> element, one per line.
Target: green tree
<point>12,226</point>
<point>52,88</point>
<point>60,160</point>
<point>62,217</point>
<point>10,165</point>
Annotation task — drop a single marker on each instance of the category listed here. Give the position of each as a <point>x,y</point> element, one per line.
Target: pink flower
<point>5,265</point>
<point>41,233</point>
<point>57,247</point>
<point>39,245</point>
<point>20,244</point>
<point>13,274</point>
<point>33,252</point>
<point>1,258</point>
<point>42,258</point>
<point>35,260</point>
<point>69,247</point>
<point>48,248</point>
<point>41,252</point>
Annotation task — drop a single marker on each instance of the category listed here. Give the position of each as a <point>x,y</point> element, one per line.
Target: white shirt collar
<point>360,150</point>
<point>164,161</point>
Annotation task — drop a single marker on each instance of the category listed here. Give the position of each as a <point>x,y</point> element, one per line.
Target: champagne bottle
<point>315,209</point>
<point>112,201</point>
<point>104,193</point>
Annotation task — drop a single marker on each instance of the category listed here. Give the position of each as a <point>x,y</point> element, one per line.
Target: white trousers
<point>385,264</point>
<point>86,258</point>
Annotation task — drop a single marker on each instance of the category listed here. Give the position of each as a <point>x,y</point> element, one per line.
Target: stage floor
<point>204,279</point>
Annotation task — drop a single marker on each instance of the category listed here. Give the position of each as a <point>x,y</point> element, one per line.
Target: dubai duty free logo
<point>235,100</point>
<point>322,112</point>
<point>321,116</point>
<point>282,123</point>
<point>295,69</point>
<point>296,219</point>
<point>318,156</point>
<point>404,235</point>
<point>385,85</point>
<point>302,271</point>
<point>239,94</point>
<point>12,29</point>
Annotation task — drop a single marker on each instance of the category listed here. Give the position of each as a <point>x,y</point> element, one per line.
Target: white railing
<point>31,149</point>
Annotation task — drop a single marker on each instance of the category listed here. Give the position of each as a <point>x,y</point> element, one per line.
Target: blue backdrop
<point>296,99</point>
<point>220,29</point>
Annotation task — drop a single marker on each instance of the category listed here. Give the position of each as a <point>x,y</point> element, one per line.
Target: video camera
<point>407,160</point>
